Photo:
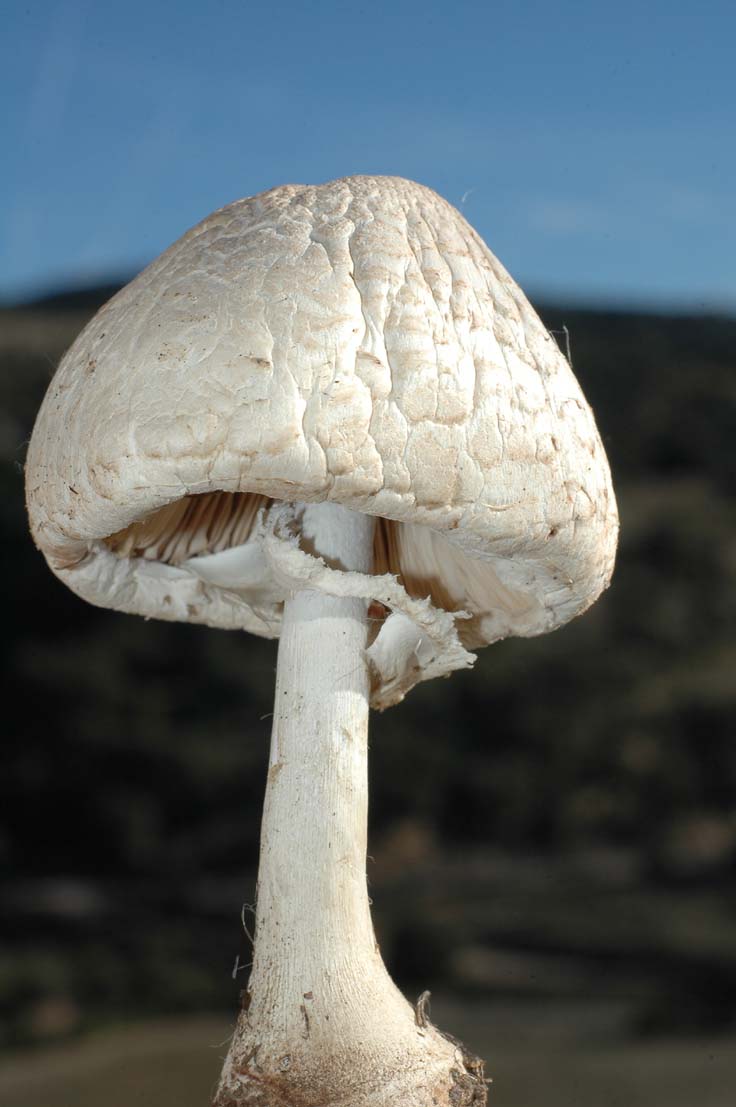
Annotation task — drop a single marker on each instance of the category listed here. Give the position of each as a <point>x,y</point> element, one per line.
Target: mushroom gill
<point>216,521</point>
<point>189,527</point>
<point>425,563</point>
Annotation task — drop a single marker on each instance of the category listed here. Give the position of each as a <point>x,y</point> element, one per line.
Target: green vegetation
<point>562,822</point>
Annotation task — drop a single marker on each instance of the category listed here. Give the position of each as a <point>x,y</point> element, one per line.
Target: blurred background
<point>553,835</point>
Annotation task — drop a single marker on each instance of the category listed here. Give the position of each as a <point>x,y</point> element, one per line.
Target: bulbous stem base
<point>399,1064</point>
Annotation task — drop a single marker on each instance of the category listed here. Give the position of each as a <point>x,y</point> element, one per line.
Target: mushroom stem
<point>324,1022</point>
<point>313,917</point>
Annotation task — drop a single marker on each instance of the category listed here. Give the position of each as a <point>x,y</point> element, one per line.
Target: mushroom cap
<point>354,342</point>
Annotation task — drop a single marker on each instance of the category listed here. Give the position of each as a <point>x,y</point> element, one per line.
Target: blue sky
<point>592,145</point>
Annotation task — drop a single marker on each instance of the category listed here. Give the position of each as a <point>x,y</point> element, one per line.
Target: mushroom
<point>327,414</point>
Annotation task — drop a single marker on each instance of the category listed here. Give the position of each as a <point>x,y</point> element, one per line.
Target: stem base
<point>417,1068</point>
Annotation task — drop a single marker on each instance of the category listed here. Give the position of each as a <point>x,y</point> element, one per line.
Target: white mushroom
<point>327,413</point>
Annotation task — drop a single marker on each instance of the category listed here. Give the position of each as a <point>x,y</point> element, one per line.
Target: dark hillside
<point>560,822</point>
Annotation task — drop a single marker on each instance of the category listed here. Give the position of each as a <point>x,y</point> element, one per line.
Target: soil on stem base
<point>436,1071</point>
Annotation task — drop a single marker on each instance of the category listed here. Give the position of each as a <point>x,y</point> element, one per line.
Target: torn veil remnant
<point>321,401</point>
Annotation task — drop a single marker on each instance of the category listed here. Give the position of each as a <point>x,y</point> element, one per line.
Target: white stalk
<point>324,1022</point>
<point>313,925</point>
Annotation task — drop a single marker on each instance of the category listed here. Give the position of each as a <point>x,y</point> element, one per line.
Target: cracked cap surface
<point>355,342</point>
